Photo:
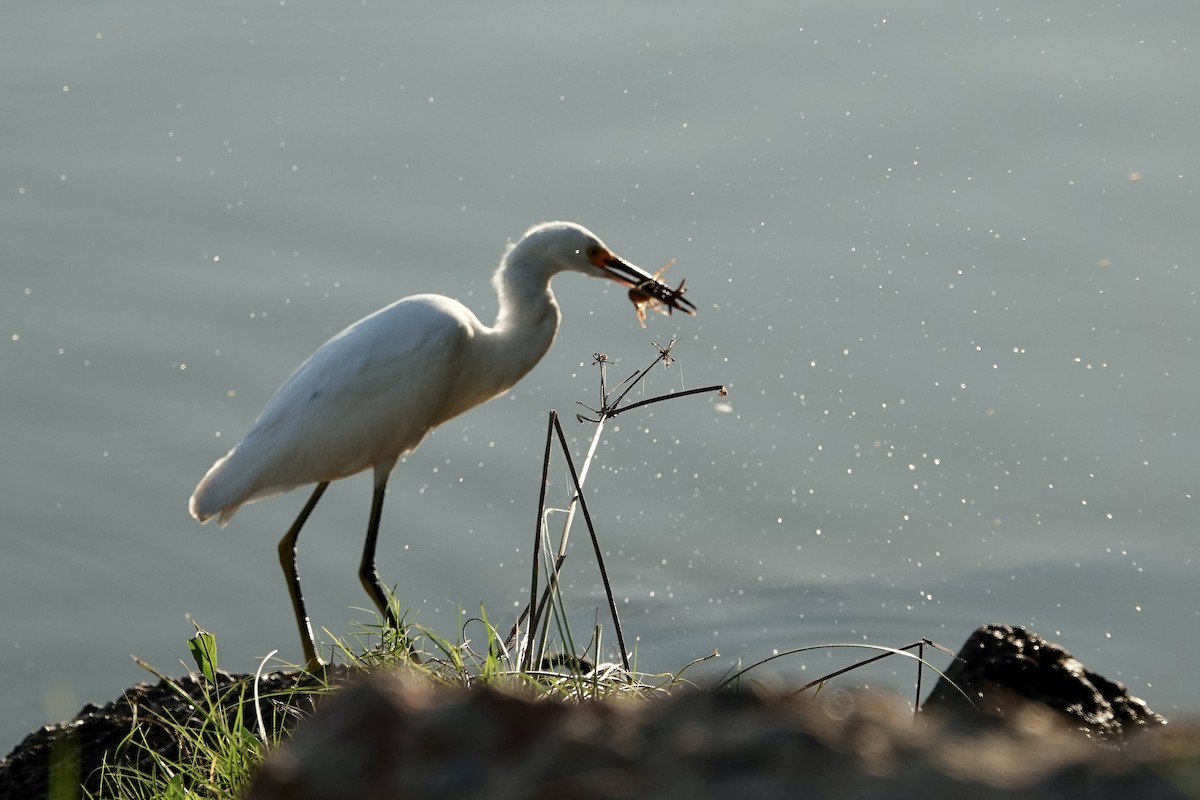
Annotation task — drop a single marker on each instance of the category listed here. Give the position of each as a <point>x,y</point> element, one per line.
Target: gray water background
<point>944,255</point>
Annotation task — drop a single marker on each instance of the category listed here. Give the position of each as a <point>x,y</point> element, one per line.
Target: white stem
<point>587,462</point>
<point>552,578</point>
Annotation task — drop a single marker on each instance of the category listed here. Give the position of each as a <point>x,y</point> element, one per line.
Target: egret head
<point>560,246</point>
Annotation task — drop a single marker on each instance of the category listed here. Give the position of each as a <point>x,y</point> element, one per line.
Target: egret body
<point>370,394</point>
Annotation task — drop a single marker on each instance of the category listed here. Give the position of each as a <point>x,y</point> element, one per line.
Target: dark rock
<point>143,722</point>
<point>1001,668</point>
<point>398,737</point>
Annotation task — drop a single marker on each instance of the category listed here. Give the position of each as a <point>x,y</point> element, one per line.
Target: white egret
<point>371,393</point>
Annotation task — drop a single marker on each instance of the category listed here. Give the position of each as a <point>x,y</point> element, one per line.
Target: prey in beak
<point>643,299</point>
<point>645,290</point>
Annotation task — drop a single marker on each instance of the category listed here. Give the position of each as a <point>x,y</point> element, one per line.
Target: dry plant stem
<point>534,609</point>
<point>587,462</point>
<point>552,578</point>
<point>830,676</point>
<point>587,517</point>
<point>920,672</point>
<point>919,645</point>
<point>617,411</point>
<point>537,550</point>
<point>539,626</point>
<point>552,584</point>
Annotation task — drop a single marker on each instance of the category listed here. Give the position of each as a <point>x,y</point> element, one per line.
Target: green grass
<point>214,749</point>
<point>228,730</point>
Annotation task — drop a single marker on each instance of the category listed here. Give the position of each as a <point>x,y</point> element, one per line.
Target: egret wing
<point>368,395</point>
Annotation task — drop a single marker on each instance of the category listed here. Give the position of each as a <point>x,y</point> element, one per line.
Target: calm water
<point>945,262</point>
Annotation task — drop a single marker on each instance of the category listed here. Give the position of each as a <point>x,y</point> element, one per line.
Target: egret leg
<point>367,572</point>
<point>287,558</point>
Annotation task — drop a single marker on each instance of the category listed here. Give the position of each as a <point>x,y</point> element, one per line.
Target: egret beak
<point>626,274</point>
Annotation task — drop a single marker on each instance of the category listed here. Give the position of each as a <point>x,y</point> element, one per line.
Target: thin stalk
<point>612,603</point>
<point>616,411</point>
<point>607,409</point>
<point>583,472</point>
<point>537,544</point>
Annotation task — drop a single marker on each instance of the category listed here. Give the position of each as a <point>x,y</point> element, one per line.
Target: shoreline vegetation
<point>1025,720</point>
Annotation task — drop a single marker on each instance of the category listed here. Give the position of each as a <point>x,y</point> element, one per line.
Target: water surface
<point>944,260</point>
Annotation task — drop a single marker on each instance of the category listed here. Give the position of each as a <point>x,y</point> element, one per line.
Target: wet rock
<point>1001,668</point>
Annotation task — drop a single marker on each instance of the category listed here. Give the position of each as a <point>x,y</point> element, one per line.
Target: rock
<point>67,756</point>
<point>395,737</point>
<point>1002,668</point>
<point>399,736</point>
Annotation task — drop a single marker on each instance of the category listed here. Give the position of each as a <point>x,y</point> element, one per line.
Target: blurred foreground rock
<point>400,736</point>
<point>397,737</point>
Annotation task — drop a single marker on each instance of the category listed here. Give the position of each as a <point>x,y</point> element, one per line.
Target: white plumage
<point>371,393</point>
